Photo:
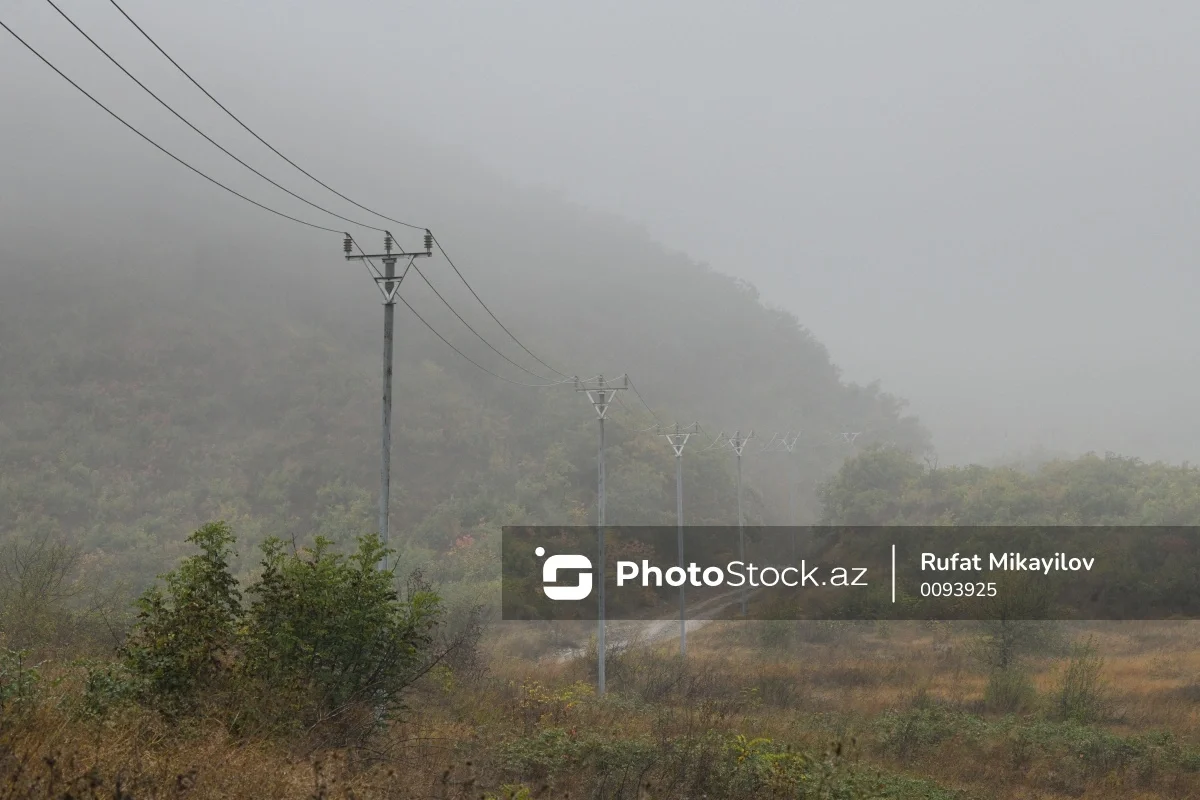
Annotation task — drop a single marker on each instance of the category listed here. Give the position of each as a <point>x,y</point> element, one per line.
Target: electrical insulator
<point>387,243</point>
<point>347,243</point>
<point>428,242</point>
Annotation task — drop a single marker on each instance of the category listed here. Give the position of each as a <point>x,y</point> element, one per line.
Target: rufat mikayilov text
<point>1006,562</point>
<point>738,573</point>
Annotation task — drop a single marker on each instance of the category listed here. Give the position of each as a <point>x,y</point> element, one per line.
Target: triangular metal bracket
<point>677,441</point>
<point>738,442</point>
<point>602,399</point>
<point>381,281</point>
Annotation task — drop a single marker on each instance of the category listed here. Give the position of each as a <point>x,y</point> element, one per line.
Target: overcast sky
<point>990,207</point>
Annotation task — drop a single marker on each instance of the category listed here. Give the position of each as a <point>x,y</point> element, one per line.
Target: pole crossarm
<point>738,442</point>
<point>678,437</point>
<point>387,281</point>
<point>600,393</point>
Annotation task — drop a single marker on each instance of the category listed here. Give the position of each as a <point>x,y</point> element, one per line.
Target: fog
<point>990,208</point>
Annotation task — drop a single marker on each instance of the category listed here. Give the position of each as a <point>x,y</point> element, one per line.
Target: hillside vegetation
<point>143,398</point>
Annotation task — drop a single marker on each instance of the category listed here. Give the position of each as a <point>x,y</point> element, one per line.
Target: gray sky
<point>991,207</point>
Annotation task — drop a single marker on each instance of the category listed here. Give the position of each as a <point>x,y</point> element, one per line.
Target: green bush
<point>327,639</point>
<point>326,632</point>
<point>106,687</point>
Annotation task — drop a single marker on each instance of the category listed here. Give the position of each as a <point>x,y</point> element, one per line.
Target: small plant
<point>106,687</point>
<point>18,678</point>
<point>1081,696</point>
<point>1009,691</point>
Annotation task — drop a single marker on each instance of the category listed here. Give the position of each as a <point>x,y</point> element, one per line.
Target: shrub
<point>106,687</point>
<point>184,637</point>
<point>18,678</point>
<point>1081,696</point>
<point>327,632</point>
<point>1009,691</point>
<point>327,639</point>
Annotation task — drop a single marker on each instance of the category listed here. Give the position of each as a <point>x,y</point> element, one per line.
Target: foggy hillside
<point>204,363</point>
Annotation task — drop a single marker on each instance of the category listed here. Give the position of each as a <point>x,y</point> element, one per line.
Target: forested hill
<point>205,372</point>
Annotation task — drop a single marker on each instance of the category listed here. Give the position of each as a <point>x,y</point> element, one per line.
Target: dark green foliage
<point>326,638</point>
<point>186,635</point>
<point>326,631</point>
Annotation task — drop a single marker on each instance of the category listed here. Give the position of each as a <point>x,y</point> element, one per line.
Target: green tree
<point>185,637</point>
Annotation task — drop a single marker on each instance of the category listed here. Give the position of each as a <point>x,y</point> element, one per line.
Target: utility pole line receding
<point>389,284</point>
<point>601,395</point>
<point>677,439</point>
<point>738,443</point>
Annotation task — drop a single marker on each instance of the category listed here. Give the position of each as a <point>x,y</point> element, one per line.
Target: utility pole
<point>789,444</point>
<point>388,283</point>
<point>601,396</point>
<point>787,440</point>
<point>677,439</point>
<point>738,443</point>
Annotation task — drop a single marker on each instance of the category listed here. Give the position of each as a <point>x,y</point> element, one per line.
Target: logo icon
<point>565,562</point>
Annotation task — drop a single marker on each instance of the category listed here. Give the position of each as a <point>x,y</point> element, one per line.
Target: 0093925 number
<point>958,590</point>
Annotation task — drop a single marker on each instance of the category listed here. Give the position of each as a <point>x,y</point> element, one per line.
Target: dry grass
<point>908,697</point>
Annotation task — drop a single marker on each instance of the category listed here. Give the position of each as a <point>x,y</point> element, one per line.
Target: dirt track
<point>625,633</point>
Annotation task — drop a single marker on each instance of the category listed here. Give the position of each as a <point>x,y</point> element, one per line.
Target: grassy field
<point>898,710</point>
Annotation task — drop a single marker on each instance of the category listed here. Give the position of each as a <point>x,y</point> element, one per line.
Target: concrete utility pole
<point>738,443</point>
<point>388,283</point>
<point>601,396</point>
<point>789,444</point>
<point>677,439</point>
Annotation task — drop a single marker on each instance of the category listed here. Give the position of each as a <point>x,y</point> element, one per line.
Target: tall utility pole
<point>677,439</point>
<point>601,395</point>
<point>789,444</point>
<point>738,443</point>
<point>388,283</point>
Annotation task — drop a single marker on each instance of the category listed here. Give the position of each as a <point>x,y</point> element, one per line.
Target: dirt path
<point>628,633</point>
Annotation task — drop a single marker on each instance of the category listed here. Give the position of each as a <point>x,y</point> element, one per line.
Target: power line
<point>207,138</point>
<point>249,130</point>
<point>157,146</point>
<point>647,405</point>
<point>468,358</point>
<point>447,341</point>
<point>472,330</point>
<point>442,250</point>
<point>621,403</point>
